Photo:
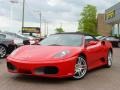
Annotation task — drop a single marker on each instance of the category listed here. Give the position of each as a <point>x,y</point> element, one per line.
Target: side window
<point>88,38</point>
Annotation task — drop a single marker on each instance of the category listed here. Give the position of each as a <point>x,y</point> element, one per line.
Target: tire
<point>118,44</point>
<point>3,51</point>
<point>109,59</point>
<point>80,68</point>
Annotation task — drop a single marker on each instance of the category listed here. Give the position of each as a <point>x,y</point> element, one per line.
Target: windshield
<point>62,40</point>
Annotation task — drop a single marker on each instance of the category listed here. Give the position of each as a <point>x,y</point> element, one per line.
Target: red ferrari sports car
<point>61,55</point>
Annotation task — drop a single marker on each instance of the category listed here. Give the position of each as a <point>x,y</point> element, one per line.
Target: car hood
<point>37,52</point>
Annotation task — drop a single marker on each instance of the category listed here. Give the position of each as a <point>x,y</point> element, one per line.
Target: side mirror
<point>92,43</point>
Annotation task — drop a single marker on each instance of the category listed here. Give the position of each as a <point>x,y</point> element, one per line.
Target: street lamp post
<point>40,18</point>
<point>46,28</point>
<point>40,22</point>
<point>23,14</point>
<point>118,29</point>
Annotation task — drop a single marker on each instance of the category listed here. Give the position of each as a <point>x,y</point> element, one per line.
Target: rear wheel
<point>3,51</point>
<point>80,68</point>
<point>109,59</point>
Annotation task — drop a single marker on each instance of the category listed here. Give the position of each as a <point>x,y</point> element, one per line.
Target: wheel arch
<point>3,45</point>
<point>84,55</point>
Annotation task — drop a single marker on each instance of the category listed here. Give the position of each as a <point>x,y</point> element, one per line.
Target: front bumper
<point>64,68</point>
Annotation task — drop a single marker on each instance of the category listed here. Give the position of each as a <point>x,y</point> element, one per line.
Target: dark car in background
<point>6,46</point>
<point>115,41</point>
<point>34,37</point>
<point>18,39</point>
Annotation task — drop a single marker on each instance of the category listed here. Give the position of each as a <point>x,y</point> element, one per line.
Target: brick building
<point>102,27</point>
<point>112,17</point>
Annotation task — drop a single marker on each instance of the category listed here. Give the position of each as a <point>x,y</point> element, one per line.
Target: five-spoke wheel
<point>109,59</point>
<point>3,51</point>
<point>80,68</point>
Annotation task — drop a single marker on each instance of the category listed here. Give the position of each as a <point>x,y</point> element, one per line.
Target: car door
<point>93,52</point>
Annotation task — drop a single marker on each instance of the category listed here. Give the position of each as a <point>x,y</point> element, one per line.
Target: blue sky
<point>55,12</point>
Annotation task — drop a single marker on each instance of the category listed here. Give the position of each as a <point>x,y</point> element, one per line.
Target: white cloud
<point>4,21</point>
<point>55,12</point>
<point>53,2</point>
<point>101,4</point>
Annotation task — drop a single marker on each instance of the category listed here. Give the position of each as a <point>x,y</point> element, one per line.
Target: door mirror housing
<point>91,43</point>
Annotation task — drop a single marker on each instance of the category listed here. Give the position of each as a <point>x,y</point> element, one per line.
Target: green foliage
<point>59,30</point>
<point>88,22</point>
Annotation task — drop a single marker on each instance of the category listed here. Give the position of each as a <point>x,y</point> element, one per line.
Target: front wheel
<point>109,59</point>
<point>80,68</point>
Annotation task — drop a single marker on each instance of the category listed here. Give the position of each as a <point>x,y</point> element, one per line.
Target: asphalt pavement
<point>99,79</point>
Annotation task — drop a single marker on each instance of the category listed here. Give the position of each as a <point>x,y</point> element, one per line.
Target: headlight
<point>62,54</point>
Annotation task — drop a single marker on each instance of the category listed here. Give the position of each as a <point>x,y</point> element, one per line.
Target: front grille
<point>46,70</point>
<point>50,70</point>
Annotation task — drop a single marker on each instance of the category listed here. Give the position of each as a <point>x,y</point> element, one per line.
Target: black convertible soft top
<point>78,33</point>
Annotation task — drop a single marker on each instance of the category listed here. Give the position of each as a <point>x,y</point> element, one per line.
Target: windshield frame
<point>54,44</point>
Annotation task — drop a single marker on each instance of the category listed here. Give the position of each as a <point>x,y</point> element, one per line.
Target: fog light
<point>51,70</point>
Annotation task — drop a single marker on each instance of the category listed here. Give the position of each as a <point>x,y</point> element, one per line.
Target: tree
<point>59,30</point>
<point>88,22</point>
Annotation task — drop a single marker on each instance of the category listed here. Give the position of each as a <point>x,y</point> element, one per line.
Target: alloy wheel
<point>109,59</point>
<point>80,68</point>
<point>2,51</point>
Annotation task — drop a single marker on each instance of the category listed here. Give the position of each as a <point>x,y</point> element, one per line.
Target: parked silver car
<point>19,39</point>
<point>6,46</point>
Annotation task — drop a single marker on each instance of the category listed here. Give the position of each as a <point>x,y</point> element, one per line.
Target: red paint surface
<point>32,57</point>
